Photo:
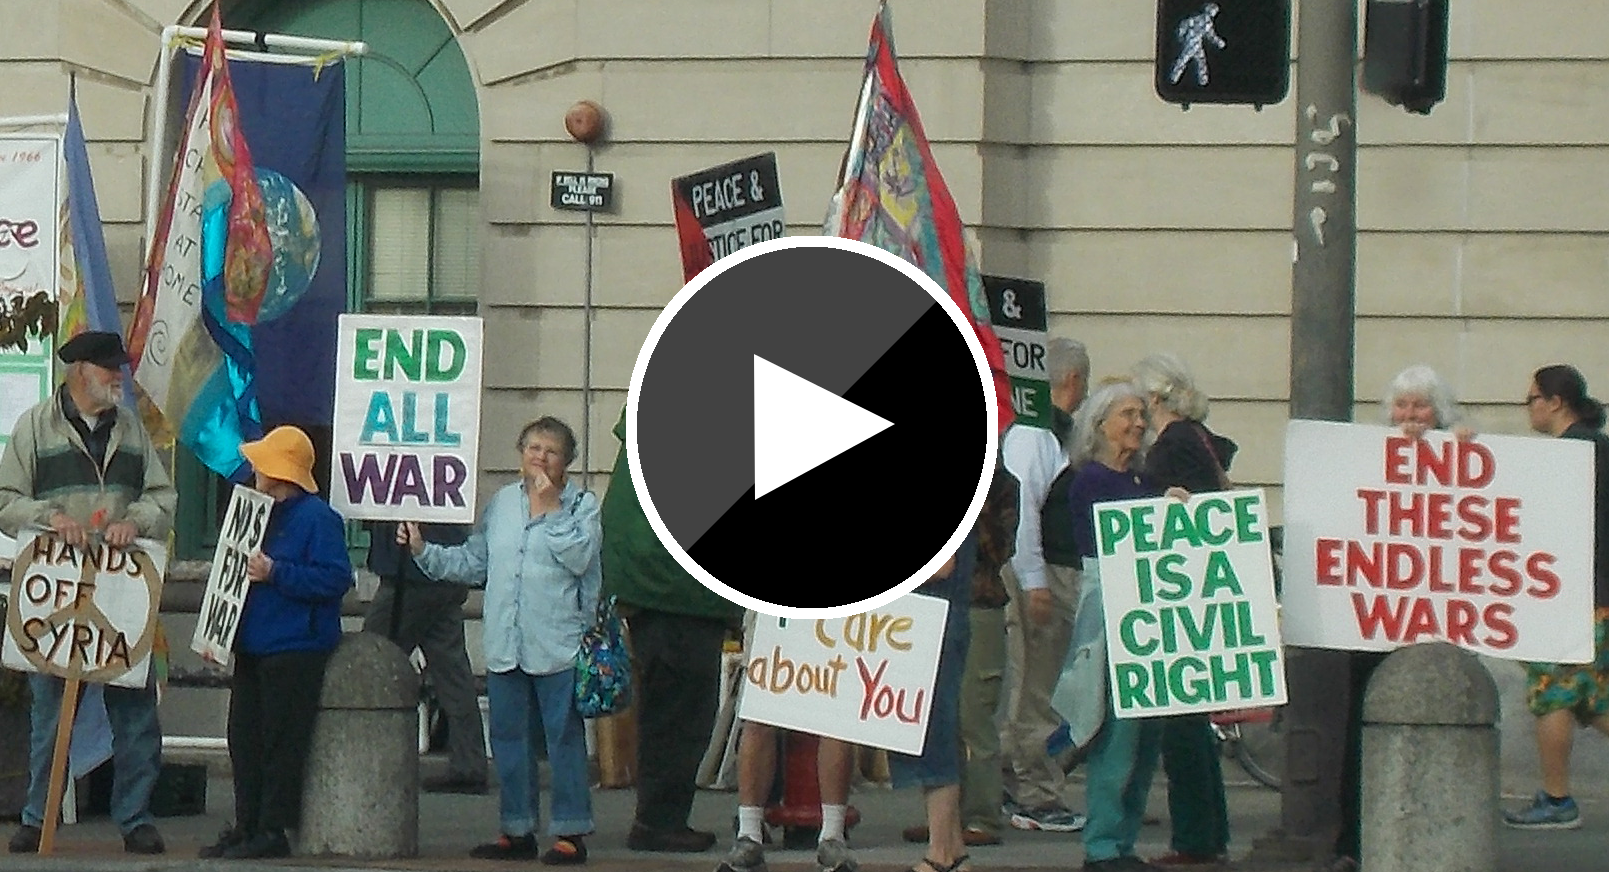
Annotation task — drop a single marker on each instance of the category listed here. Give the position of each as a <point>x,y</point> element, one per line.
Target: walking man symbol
<point>1193,34</point>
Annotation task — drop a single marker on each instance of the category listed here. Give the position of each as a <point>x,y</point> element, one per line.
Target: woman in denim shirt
<point>536,550</point>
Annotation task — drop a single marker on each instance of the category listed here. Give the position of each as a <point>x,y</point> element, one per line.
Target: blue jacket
<point>299,607</point>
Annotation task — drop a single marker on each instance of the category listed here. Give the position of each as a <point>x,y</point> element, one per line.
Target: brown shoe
<point>973,837</point>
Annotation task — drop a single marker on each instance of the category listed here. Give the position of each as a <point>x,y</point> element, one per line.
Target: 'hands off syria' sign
<point>87,612</point>
<point>407,418</point>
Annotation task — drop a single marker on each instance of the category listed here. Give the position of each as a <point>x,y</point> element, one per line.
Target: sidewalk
<point>450,825</point>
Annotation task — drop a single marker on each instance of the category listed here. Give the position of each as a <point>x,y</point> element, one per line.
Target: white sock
<point>750,820</point>
<point>832,821</point>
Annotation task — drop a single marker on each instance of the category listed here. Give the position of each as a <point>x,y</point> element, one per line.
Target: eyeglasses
<point>1531,398</point>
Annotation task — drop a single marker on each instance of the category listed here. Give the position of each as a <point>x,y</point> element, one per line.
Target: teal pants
<point>1117,782</point>
<point>1196,802</point>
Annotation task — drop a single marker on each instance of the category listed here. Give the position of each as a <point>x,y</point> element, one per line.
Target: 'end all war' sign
<point>244,527</point>
<point>1020,318</point>
<point>866,679</point>
<point>89,612</point>
<point>407,418</point>
<point>1191,619</point>
<point>1485,543</point>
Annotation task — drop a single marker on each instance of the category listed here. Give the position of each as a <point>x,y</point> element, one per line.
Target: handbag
<point>603,665</point>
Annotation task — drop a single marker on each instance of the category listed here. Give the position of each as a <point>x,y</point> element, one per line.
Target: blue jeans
<point>522,709</point>
<point>136,749</point>
<point>1117,782</point>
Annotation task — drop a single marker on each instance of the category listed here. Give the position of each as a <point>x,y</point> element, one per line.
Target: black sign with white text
<point>584,192</point>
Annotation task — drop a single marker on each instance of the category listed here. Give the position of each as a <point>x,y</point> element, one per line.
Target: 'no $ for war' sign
<point>407,418</point>
<point>1188,591</point>
<point>89,613</point>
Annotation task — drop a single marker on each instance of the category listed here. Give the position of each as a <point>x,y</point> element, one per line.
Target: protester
<point>1187,455</point>
<point>289,625</point>
<point>415,612</point>
<point>1417,400</point>
<point>981,779</point>
<point>86,469</point>
<point>536,550</point>
<point>677,628</point>
<point>1042,582</point>
<point>1108,454</point>
<point>756,770</point>
<point>938,769</point>
<point>1563,695</point>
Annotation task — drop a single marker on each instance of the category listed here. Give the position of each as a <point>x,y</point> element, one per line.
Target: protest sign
<point>1020,317</point>
<point>85,613</point>
<point>242,533</point>
<point>407,418</point>
<point>1485,543</point>
<point>733,206</point>
<point>866,679</point>
<point>1188,590</point>
<point>31,202</point>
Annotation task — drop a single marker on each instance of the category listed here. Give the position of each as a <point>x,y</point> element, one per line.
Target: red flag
<point>894,197</point>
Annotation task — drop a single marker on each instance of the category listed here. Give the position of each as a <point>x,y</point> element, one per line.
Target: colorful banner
<point>90,612</point>
<point>1021,319</point>
<point>1485,543</point>
<point>729,207</point>
<point>407,422</point>
<point>866,679</point>
<point>1192,624</point>
<point>242,532</point>
<point>234,333</point>
<point>893,197</point>
<point>31,205</point>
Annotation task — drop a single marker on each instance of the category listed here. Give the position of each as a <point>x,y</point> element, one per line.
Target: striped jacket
<point>46,469</point>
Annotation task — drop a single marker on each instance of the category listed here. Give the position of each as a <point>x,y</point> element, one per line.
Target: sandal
<point>940,867</point>
<point>566,851</point>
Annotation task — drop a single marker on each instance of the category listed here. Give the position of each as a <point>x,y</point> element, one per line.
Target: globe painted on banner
<point>293,233</point>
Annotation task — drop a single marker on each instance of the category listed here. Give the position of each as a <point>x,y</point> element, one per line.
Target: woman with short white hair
<point>1185,454</point>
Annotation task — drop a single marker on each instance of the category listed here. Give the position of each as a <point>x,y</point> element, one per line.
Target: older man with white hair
<point>1042,581</point>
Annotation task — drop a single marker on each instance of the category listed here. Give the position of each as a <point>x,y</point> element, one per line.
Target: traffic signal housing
<point>1405,52</point>
<point>1223,51</point>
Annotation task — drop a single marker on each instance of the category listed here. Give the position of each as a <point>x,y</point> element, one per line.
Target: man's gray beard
<point>105,394</point>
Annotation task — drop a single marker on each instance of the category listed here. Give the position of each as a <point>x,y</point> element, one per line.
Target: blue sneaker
<point>1545,814</point>
<point>1050,820</point>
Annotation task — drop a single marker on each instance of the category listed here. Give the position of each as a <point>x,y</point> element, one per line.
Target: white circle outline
<point>985,381</point>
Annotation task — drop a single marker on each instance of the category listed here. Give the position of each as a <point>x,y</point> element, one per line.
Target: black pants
<point>271,709</point>
<point>678,659</point>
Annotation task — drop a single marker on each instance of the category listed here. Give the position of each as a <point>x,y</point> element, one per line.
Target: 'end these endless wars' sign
<point>1485,543</point>
<point>866,679</point>
<point>407,418</point>
<point>1191,619</point>
<point>244,527</point>
<point>736,205</point>
<point>88,612</point>
<point>1020,318</point>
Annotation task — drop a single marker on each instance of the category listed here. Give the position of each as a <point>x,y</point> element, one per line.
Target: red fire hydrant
<point>799,813</point>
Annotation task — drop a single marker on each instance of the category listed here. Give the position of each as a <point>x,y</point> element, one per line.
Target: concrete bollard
<point>362,793</point>
<point>1430,763</point>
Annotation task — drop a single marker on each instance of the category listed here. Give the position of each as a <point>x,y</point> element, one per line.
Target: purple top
<point>1095,483</point>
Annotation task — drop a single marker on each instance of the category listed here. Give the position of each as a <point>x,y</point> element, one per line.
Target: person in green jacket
<point>677,629</point>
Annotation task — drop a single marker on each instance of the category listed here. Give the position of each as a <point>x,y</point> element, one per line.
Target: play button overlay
<point>810,427</point>
<point>798,426</point>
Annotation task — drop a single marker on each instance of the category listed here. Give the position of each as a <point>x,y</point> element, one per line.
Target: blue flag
<point>294,119</point>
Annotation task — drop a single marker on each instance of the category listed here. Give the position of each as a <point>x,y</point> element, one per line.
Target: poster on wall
<point>407,418</point>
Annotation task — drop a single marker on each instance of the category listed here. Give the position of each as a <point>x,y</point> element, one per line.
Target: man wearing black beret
<point>80,466</point>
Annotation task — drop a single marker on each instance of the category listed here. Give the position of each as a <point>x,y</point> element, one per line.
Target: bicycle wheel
<point>1260,750</point>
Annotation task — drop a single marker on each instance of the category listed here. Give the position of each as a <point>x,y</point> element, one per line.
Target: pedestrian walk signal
<point>1223,51</point>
